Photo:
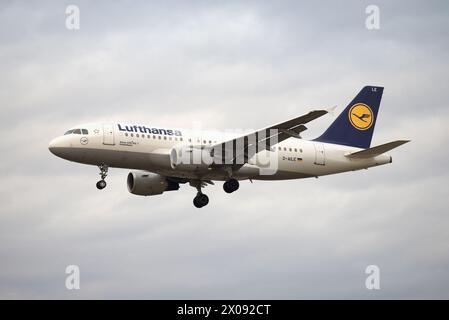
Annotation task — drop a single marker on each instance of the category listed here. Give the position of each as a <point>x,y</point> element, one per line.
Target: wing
<point>246,146</point>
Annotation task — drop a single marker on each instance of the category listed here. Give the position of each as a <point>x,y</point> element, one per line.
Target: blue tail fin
<point>355,125</point>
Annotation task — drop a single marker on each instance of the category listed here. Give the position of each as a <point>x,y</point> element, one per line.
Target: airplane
<point>162,158</point>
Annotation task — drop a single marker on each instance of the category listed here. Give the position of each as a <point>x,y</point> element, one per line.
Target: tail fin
<point>355,125</point>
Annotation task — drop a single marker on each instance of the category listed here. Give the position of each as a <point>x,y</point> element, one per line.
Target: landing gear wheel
<point>101,184</point>
<point>231,185</point>
<point>103,173</point>
<point>200,200</point>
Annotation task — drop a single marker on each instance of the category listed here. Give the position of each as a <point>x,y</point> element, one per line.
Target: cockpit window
<point>77,131</point>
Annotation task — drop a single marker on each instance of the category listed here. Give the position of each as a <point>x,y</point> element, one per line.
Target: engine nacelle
<point>144,183</point>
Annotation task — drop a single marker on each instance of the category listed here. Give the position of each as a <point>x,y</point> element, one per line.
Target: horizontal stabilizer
<point>375,151</point>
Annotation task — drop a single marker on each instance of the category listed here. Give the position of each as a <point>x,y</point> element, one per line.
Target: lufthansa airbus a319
<point>162,158</point>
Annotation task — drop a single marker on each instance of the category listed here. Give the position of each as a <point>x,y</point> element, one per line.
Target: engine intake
<point>144,183</point>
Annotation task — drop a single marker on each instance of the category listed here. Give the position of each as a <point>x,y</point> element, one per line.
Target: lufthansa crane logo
<point>84,141</point>
<point>361,116</point>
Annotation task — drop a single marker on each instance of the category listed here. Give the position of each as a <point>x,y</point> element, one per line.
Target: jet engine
<point>145,183</point>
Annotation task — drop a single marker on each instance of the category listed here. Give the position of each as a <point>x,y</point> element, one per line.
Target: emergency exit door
<point>320,157</point>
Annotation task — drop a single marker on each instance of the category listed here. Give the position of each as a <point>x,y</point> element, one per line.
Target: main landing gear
<point>201,199</point>
<point>231,185</point>
<point>103,173</point>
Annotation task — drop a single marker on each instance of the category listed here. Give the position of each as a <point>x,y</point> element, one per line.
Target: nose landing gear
<point>101,184</point>
<point>103,173</point>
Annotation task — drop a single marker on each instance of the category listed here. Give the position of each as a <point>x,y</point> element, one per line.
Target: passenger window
<point>285,149</point>
<point>85,131</point>
<point>169,138</point>
<point>159,137</point>
<point>126,134</point>
<point>180,139</point>
<point>154,137</point>
<point>132,134</point>
<point>296,150</point>
<point>148,136</point>
<point>280,149</point>
<point>290,149</point>
<point>165,138</point>
<point>77,131</point>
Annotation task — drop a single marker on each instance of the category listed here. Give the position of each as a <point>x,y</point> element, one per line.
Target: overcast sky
<point>224,65</point>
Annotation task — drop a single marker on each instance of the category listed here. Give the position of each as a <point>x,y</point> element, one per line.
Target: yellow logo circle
<point>361,116</point>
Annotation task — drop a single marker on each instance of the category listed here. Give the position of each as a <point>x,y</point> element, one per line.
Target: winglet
<point>331,110</point>
<point>375,151</point>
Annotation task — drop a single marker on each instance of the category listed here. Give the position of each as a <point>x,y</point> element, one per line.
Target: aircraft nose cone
<point>54,145</point>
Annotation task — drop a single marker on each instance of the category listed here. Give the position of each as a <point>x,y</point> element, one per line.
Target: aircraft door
<point>108,134</point>
<point>320,157</point>
<point>196,152</point>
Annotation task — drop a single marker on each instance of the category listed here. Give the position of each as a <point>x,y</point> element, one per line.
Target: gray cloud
<point>233,65</point>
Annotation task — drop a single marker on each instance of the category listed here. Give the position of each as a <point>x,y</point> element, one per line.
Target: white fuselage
<point>121,146</point>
